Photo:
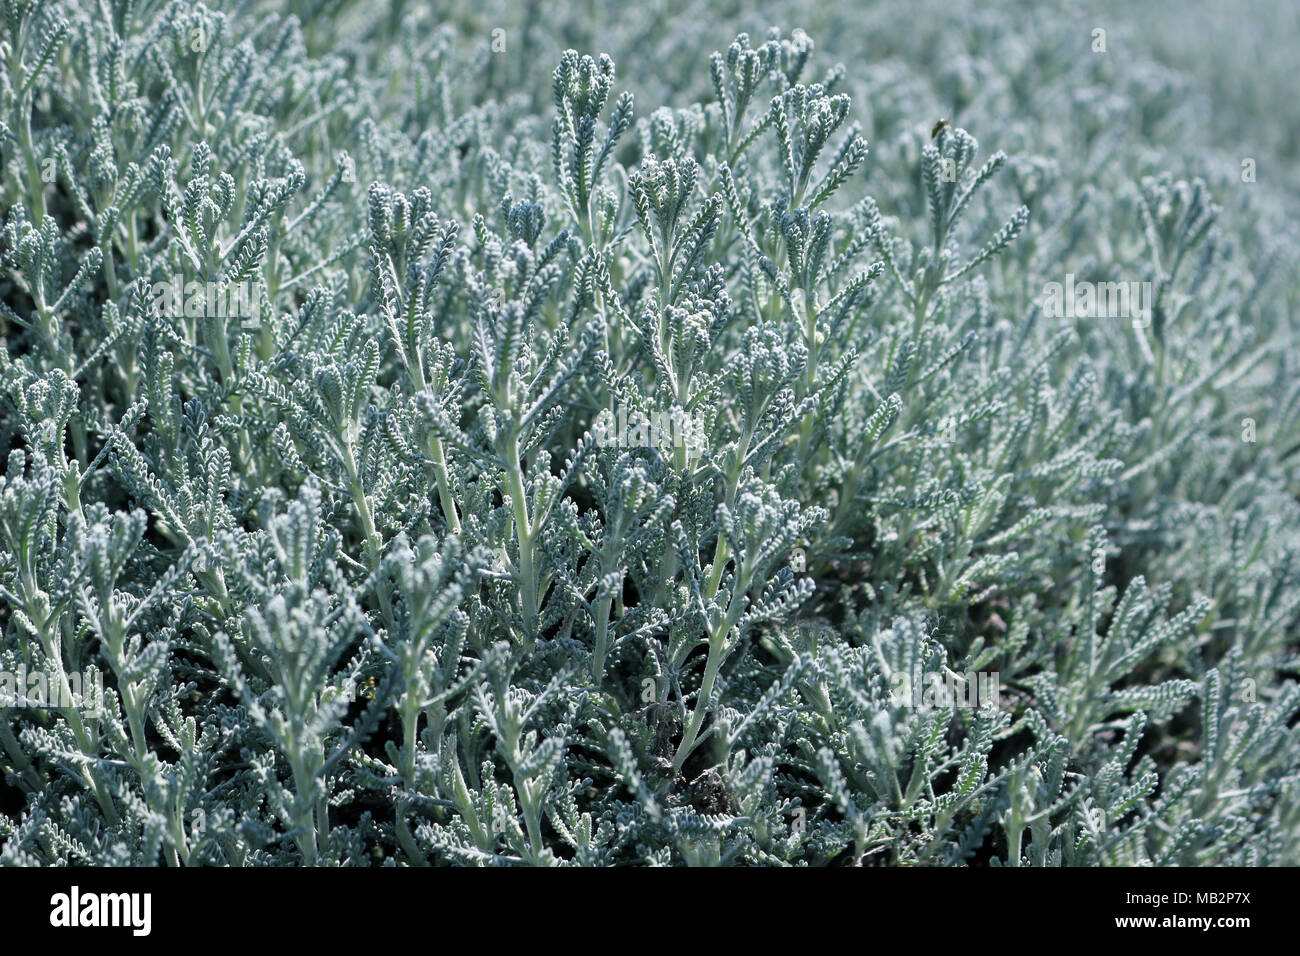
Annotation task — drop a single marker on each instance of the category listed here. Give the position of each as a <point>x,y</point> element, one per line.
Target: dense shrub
<point>443,447</point>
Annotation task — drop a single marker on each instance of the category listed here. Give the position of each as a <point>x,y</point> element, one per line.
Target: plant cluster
<point>322,329</point>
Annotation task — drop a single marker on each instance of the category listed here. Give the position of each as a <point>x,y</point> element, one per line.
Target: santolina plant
<point>443,446</point>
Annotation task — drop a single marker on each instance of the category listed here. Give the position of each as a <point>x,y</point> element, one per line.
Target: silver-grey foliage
<point>437,467</point>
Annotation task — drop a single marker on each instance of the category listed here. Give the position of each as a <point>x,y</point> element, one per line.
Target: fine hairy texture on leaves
<point>550,434</point>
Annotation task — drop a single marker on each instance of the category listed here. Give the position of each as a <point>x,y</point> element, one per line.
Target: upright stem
<point>36,188</point>
<point>810,374</point>
<point>601,649</point>
<point>438,454</point>
<point>526,538</point>
<point>717,649</point>
<point>711,668</point>
<point>373,549</point>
